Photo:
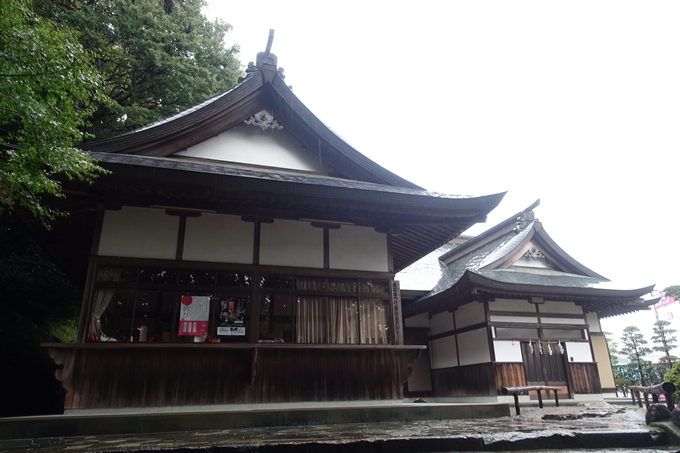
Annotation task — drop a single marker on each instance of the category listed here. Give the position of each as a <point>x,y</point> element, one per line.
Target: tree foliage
<point>613,347</point>
<point>47,83</point>
<point>673,290</point>
<point>633,347</point>
<point>156,58</point>
<point>666,341</point>
<point>652,373</point>
<point>673,375</point>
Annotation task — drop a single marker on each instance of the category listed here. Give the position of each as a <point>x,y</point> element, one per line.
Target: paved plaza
<point>612,428</point>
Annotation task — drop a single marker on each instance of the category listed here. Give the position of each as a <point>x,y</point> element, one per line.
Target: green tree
<point>156,57</point>
<point>666,341</point>
<point>633,347</point>
<point>673,375</point>
<point>47,84</point>
<point>613,347</point>
<point>673,291</point>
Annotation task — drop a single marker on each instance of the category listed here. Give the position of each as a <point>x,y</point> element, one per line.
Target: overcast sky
<point>576,103</point>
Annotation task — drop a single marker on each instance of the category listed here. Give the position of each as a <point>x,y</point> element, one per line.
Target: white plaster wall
<point>593,322</point>
<point>291,243</point>
<point>421,320</point>
<point>358,248</point>
<point>570,321</point>
<point>522,319</point>
<point>441,322</point>
<point>580,352</point>
<point>443,353</point>
<point>469,314</point>
<point>251,145</point>
<point>139,233</point>
<point>218,238</point>
<point>560,307</point>
<point>473,347</point>
<point>507,351</point>
<point>539,263</point>
<point>512,305</point>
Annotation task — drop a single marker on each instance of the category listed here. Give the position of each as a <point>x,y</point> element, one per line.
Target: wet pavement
<point>607,428</point>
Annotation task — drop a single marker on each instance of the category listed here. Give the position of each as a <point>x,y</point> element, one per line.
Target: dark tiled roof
<point>476,262</point>
<point>176,163</point>
<point>424,273</point>
<point>454,271</point>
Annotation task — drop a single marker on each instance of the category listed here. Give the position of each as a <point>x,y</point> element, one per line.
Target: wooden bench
<point>515,391</point>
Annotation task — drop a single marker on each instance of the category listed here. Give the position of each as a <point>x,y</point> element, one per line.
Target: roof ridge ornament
<point>263,58</point>
<point>526,217</point>
<point>267,57</point>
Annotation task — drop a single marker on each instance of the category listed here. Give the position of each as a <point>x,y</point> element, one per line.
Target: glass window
<point>133,316</point>
<point>276,317</point>
<point>197,278</point>
<point>116,274</point>
<point>276,282</point>
<point>342,285</point>
<point>116,321</point>
<point>233,280</point>
<point>311,284</point>
<point>165,277</point>
<point>374,286</point>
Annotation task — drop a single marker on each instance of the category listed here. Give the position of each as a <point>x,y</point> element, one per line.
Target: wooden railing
<point>665,388</point>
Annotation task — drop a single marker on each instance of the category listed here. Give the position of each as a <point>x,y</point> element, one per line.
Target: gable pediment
<point>532,258</point>
<point>261,141</point>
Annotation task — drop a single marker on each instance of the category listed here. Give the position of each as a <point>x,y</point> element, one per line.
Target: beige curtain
<point>101,300</point>
<point>332,320</point>
<point>311,320</point>
<point>373,316</point>
<point>342,320</point>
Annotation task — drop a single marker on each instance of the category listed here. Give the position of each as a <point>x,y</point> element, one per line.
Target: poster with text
<point>232,316</point>
<point>193,315</point>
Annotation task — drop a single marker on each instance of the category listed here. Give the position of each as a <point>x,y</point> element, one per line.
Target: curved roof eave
<point>142,140</point>
<point>487,283</point>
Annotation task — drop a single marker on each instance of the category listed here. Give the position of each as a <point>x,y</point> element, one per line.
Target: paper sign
<point>231,331</point>
<point>193,315</point>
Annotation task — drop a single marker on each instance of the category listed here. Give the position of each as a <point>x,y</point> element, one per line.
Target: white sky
<point>576,103</point>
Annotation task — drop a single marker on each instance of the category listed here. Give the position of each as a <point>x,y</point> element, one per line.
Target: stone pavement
<point>610,428</point>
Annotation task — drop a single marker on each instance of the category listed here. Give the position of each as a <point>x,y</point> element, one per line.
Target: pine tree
<point>613,347</point>
<point>633,347</point>
<point>666,341</point>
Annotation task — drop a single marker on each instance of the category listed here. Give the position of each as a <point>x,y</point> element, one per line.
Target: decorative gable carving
<point>534,258</point>
<point>534,253</point>
<point>264,120</point>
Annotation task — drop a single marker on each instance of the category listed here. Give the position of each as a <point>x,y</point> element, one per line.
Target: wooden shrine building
<point>240,252</point>
<point>511,308</point>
